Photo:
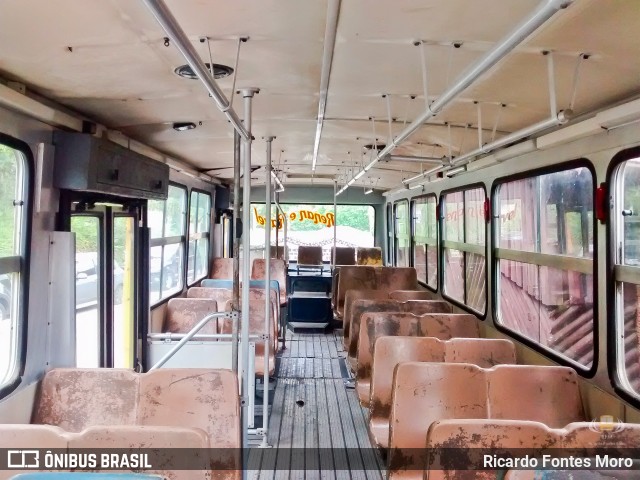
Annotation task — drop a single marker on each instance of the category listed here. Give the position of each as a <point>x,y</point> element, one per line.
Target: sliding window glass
<point>402,240</point>
<point>13,217</point>
<point>199,225</point>
<point>425,239</point>
<point>544,261</point>
<point>167,220</point>
<point>626,228</point>
<point>463,248</point>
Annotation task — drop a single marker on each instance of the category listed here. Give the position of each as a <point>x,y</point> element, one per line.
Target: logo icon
<point>23,459</point>
<point>606,424</point>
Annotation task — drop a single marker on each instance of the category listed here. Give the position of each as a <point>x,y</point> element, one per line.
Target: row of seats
<point>429,381</point>
<point>222,268</point>
<point>112,408</point>
<point>347,278</point>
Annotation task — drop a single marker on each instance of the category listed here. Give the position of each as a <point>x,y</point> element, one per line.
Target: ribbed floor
<point>317,427</point>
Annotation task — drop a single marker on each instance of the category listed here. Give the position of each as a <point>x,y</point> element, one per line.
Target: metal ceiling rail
<point>179,38</point>
<point>407,158</point>
<point>525,28</point>
<point>331,29</point>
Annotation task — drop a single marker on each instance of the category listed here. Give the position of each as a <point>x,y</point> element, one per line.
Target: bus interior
<point>323,239</point>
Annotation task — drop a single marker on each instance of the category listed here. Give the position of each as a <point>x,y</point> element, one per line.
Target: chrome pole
<point>235,303</point>
<point>247,95</point>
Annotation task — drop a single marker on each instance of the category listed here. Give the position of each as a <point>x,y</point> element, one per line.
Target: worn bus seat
<point>343,255</point>
<point>183,314</point>
<point>369,256</point>
<point>377,325</point>
<point>278,252</point>
<point>399,295</point>
<point>361,307</point>
<point>403,295</point>
<point>116,437</point>
<point>274,285</point>
<point>256,327</point>
<point>309,255</point>
<point>223,298</point>
<point>395,350</point>
<point>425,392</point>
<point>278,273</point>
<point>222,268</point>
<point>371,278</point>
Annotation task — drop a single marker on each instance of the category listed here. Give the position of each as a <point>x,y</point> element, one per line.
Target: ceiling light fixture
<point>367,191</point>
<point>183,126</point>
<point>219,71</point>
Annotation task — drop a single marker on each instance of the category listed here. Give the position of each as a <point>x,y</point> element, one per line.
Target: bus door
<point>108,296</point>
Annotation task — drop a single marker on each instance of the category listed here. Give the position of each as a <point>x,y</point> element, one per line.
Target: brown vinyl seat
<point>114,400</point>
<point>183,314</point>
<point>278,252</point>
<point>403,295</point>
<point>499,434</point>
<point>370,278</point>
<point>395,350</point>
<point>222,268</point>
<point>220,295</point>
<point>116,436</point>
<point>343,255</point>
<point>369,256</point>
<point>309,255</point>
<point>361,307</point>
<point>256,327</point>
<point>278,273</point>
<point>442,326</point>
<point>350,297</point>
<point>423,393</point>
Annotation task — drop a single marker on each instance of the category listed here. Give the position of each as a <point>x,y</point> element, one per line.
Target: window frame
<point>412,205</point>
<point>613,356</point>
<point>441,249</point>
<point>545,351</point>
<point>164,241</point>
<point>197,236</point>
<point>396,242</point>
<point>25,261</point>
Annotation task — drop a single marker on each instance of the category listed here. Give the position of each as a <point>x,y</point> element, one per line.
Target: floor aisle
<point>317,429</point>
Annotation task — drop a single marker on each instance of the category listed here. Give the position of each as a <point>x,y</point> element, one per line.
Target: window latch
<point>627,212</point>
<point>18,203</point>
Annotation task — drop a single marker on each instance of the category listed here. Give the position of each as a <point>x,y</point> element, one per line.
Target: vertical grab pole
<point>335,226</point>
<point>267,289</point>
<point>247,95</point>
<point>235,303</point>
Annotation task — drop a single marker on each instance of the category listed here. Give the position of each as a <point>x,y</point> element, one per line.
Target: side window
<point>390,247</point>
<point>13,218</point>
<point>199,226</point>
<point>402,235</point>
<point>463,248</point>
<point>544,254</point>
<point>425,239</point>
<point>167,220</point>
<point>626,227</point>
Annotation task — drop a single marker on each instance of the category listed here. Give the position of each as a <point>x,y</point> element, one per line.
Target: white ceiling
<point>106,59</point>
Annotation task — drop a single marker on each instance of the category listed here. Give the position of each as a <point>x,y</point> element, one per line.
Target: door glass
<point>123,291</point>
<point>87,230</point>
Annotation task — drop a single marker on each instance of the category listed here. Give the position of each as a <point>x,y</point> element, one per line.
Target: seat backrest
<point>353,295</point>
<point>206,399</point>
<point>404,295</point>
<point>353,278</point>
<point>183,314</point>
<point>369,256</point>
<point>309,255</point>
<point>343,255</point>
<point>484,352</point>
<point>549,395</point>
<point>277,252</point>
<point>220,295</point>
<point>361,307</point>
<point>445,438</point>
<point>395,325</point>
<point>228,285</point>
<point>601,435</point>
<point>222,268</point>
<point>396,278</point>
<point>424,393</point>
<point>74,399</point>
<point>256,318</point>
<point>278,273</point>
